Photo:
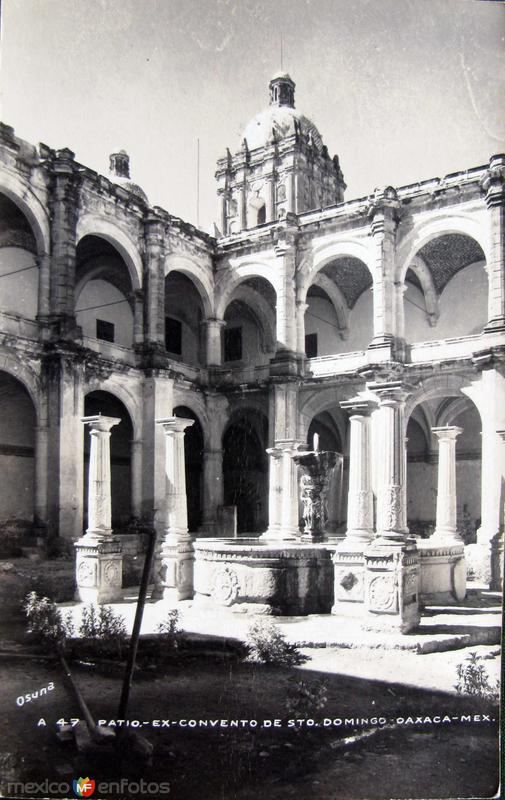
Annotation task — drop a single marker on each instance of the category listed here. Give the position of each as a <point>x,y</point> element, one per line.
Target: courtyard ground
<point>404,758</point>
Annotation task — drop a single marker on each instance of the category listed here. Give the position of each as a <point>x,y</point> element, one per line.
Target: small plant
<point>169,630</point>
<point>473,679</point>
<point>45,620</point>
<point>102,623</point>
<point>266,644</point>
<point>306,697</point>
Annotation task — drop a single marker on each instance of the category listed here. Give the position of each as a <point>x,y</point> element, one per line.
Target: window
<point>233,344</point>
<point>311,345</point>
<point>173,336</point>
<point>262,215</point>
<point>105,330</point>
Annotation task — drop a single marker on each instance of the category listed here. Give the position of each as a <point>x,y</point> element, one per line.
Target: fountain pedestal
<point>316,469</point>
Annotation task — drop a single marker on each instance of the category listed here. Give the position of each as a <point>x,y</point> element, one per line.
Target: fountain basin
<point>258,576</point>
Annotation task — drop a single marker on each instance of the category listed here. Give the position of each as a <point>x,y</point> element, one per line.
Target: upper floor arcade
<point>414,274</point>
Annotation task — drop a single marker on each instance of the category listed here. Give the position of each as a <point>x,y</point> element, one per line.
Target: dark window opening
<point>173,336</point>
<point>262,215</point>
<point>233,344</point>
<point>311,345</point>
<point>105,330</point>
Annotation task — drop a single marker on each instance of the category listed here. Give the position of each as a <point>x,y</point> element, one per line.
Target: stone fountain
<point>291,575</point>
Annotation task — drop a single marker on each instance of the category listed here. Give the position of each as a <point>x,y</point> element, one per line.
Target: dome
<point>280,120</point>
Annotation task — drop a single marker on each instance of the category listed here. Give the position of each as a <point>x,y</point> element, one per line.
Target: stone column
<point>301,308</point>
<point>41,476</point>
<point>64,209</point>
<point>212,489</point>
<point>283,492</point>
<point>391,509</point>
<point>136,478</point>
<point>176,575</point>
<point>445,529</point>
<point>360,496</point>
<point>348,559</point>
<point>392,572</point>
<point>98,553</point>
<point>494,186</point>
<point>274,493</point>
<point>138,318</point>
<point>155,284</point>
<point>443,569</point>
<point>43,306</point>
<point>213,341</point>
<point>285,361</point>
<point>383,227</point>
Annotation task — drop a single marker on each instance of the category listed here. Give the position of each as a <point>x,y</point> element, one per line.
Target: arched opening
<point>193,456</point>
<point>19,275</point>
<point>245,470</point>
<point>99,402</point>
<point>339,314</point>
<point>104,302</point>
<point>249,335</point>
<point>448,297</point>
<point>422,465</point>
<point>17,463</point>
<point>183,315</point>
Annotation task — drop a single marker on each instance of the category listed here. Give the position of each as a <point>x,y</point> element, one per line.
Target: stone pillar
<point>488,394</point>
<point>383,213</point>
<point>213,342</point>
<point>392,573</point>
<point>136,477</point>
<point>154,313</point>
<point>176,575</point>
<point>43,306</point>
<point>348,559</point>
<point>494,186</point>
<point>98,553</point>
<point>64,380</point>
<point>445,530</point>
<point>64,210</point>
<point>274,493</point>
<point>360,497</point>
<point>138,318</point>
<point>157,403</point>
<point>283,492</point>
<point>285,362</point>
<point>443,569</point>
<point>41,476</point>
<point>301,308</point>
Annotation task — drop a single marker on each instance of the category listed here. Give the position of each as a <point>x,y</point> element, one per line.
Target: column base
<point>485,561</point>
<point>391,587</point>
<point>174,580</point>
<point>98,569</point>
<point>280,535</point>
<point>313,537</point>
<point>349,578</point>
<point>284,364</point>
<point>443,572</point>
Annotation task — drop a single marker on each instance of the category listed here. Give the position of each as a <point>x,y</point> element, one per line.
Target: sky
<point>401,90</point>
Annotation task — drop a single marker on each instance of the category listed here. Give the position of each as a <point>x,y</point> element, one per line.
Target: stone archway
<point>245,470</point>
<point>17,464</point>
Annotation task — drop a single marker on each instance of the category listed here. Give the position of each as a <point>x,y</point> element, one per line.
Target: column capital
<point>100,423</point>
<point>493,182</point>
<point>220,323</point>
<point>173,425</point>
<point>392,393</point>
<point>358,406</point>
<point>447,432</point>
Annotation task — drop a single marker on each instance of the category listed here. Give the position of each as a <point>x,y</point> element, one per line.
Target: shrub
<point>473,679</point>
<point>306,697</point>
<point>45,620</point>
<point>266,644</point>
<point>101,622</point>
<point>169,630</point>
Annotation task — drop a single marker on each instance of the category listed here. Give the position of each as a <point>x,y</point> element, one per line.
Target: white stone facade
<point>110,305</point>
